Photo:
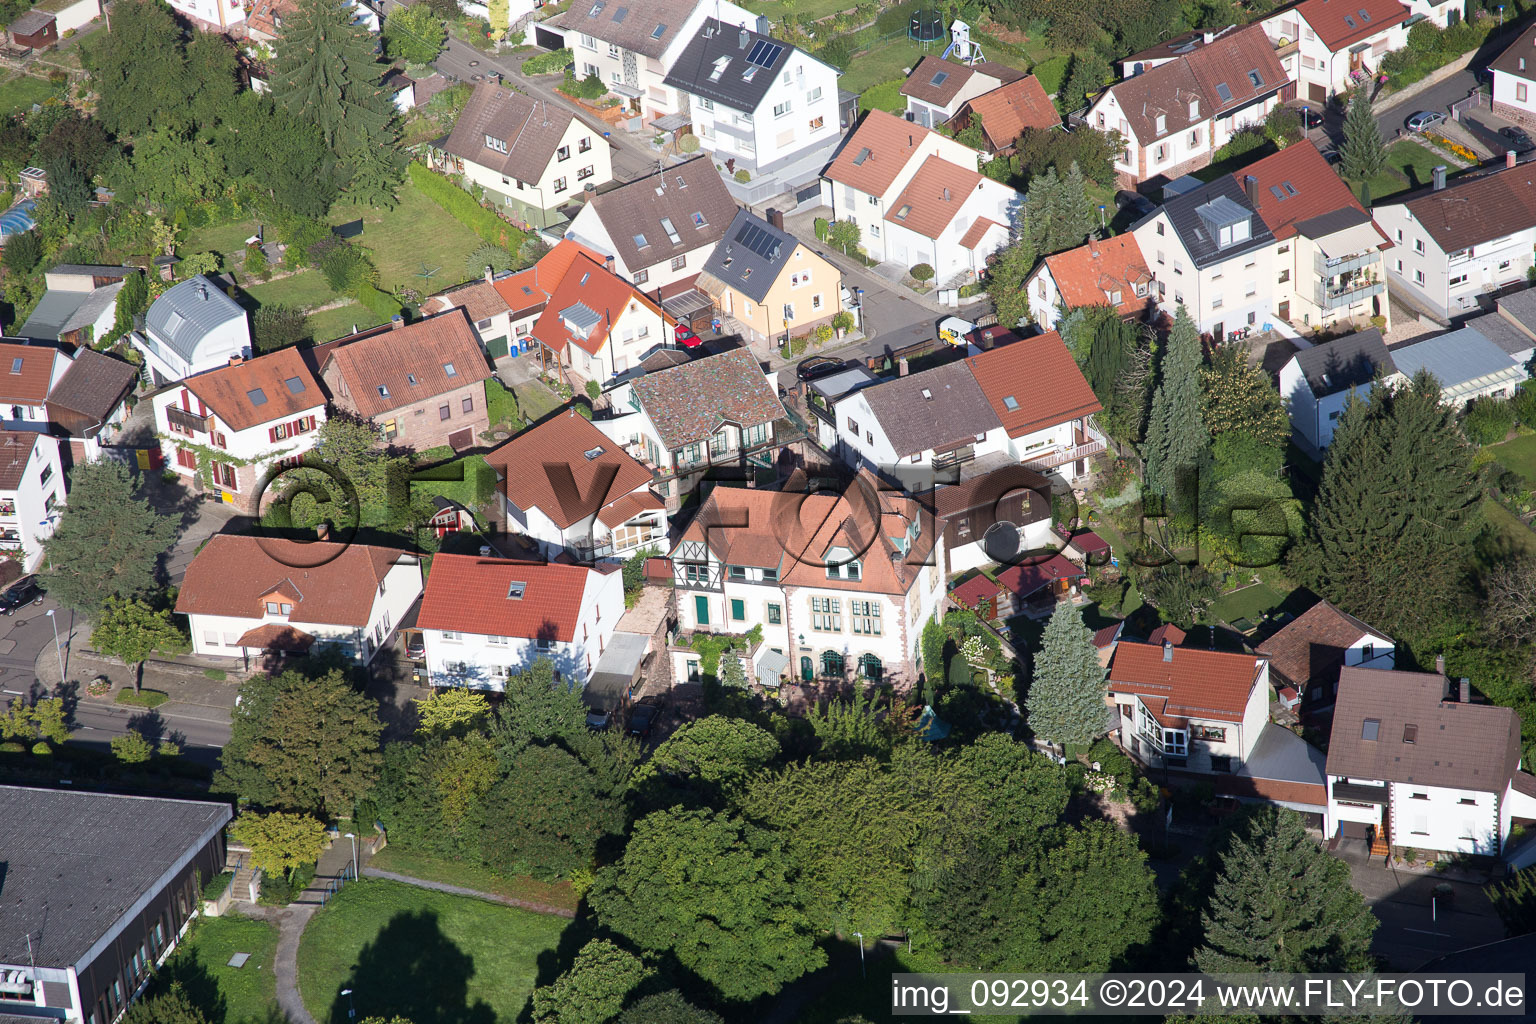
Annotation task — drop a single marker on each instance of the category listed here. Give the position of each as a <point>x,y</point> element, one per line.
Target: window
<point>770,575</point>
<point>589,70</point>
<point>563,153</point>
<point>585,145</point>
<point>1421,796</point>
<point>815,301</point>
<point>813,95</point>
<point>789,311</point>
<point>1520,91</point>
<point>737,572</point>
<point>1221,763</point>
<point>1216,302</point>
<point>585,173</point>
<point>561,185</point>
<point>389,430</point>
<point>1418,276</point>
<point>1370,729</point>
<point>1418,245</point>
<point>46,475</point>
<point>469,403</point>
<point>1468,801</point>
<point>826,614</point>
<point>492,142</point>
<point>853,425</point>
<point>613,50</point>
<point>1159,231</point>
<point>1459,279</point>
<point>1210,733</point>
<point>679,262</point>
<point>780,109</point>
<point>1160,153</point>
<point>865,617</point>
<point>817,123</point>
<point>706,104</point>
<point>642,276</point>
<point>874,231</point>
<point>1410,733</point>
<point>546,644</point>
<point>496,641</point>
<point>1285,275</point>
<point>775,614</point>
<point>738,609</point>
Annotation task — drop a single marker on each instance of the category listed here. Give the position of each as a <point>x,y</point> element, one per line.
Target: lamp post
<point>353,837</point>
<point>56,648</point>
<point>1501,15</point>
<point>1102,226</point>
<point>351,1012</point>
<point>861,954</point>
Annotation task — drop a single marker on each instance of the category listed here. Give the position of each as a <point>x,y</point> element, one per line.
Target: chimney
<point>902,367</point>
<point>776,218</point>
<point>1167,650</point>
<point>1251,188</point>
<point>236,359</point>
<point>1509,158</point>
<point>744,39</point>
<point>1466,691</point>
<point>608,263</point>
<point>323,531</point>
<point>1439,177</point>
<point>396,322</point>
<point>1440,663</point>
<point>490,274</point>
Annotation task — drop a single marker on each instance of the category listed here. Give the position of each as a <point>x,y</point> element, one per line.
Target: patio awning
<point>614,676</point>
<point>687,305</point>
<point>672,122</point>
<point>276,637</point>
<point>629,92</point>
<point>1359,47</point>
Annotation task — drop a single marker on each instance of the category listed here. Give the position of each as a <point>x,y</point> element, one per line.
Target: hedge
<point>545,63</point>
<point>463,208</point>
<point>379,303</point>
<point>883,96</point>
<point>1052,73</point>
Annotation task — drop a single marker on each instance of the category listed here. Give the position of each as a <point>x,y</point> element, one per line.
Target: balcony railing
<point>187,421</point>
<point>1062,456</point>
<point>1334,298</point>
<point>1286,49</point>
<point>8,509</point>
<point>1345,265</point>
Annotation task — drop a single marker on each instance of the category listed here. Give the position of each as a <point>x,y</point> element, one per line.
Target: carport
<point>614,679</point>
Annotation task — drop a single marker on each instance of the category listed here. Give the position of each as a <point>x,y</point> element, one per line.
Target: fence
<point>333,884</point>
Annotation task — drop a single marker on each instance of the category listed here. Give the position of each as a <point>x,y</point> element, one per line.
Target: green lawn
<point>306,289</point>
<point>501,406</point>
<point>814,9</point>
<point>1248,603</point>
<point>225,994</point>
<point>331,324</point>
<point>1518,455</point>
<point>473,876</point>
<point>22,91</point>
<point>535,400</point>
<point>885,61</point>
<point>228,239</point>
<point>1510,535</point>
<point>426,956</point>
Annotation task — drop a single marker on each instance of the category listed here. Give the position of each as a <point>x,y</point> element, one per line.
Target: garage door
<point>1317,93</point>
<point>497,347</point>
<point>547,39</point>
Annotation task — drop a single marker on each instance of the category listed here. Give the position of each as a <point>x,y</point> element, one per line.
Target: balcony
<point>8,509</point>
<point>1285,49</point>
<point>1343,265</point>
<point>1335,298</point>
<point>191,423</point>
<point>1085,443</point>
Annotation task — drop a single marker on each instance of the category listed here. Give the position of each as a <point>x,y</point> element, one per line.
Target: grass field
<point>22,91</point>
<point>426,956</point>
<point>884,62</point>
<point>1518,455</point>
<point>1510,535</point>
<point>1248,603</point>
<point>306,289</point>
<point>1409,165</point>
<point>225,994</point>
<point>473,876</point>
<point>338,323</point>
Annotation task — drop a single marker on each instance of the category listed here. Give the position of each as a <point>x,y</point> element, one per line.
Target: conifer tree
<point>1066,698</point>
<point>1077,220</point>
<point>1363,153</point>
<point>1391,531</point>
<point>1043,205</point>
<point>1282,904</point>
<point>1177,438</point>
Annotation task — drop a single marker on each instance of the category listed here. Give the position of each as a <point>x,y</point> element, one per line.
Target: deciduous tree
<point>1066,696</point>
<point>1239,397</point>
<point>844,234</point>
<point>667,1007</point>
<point>108,542</point>
<point>280,842</point>
<point>452,712</point>
<point>548,814</point>
<point>278,326</point>
<point>594,989</point>
<point>413,34</point>
<point>132,630</point>
<point>1007,270</point>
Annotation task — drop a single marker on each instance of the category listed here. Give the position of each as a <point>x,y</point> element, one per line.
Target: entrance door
<point>1354,61</point>
<point>1283,311</point>
<point>807,669</point>
<point>701,609</point>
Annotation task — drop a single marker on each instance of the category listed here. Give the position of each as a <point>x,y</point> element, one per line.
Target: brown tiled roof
<point>681,194</point>
<point>94,384</point>
<point>1168,88</point>
<point>978,229</point>
<point>26,382</point>
<point>328,582</point>
<point>388,358</point>
<point>1273,790</point>
<point>15,451</point>
<point>274,636</point>
<point>480,299</point>
<point>1169,49</point>
<point>644,26</point>
<point>1195,683</point>
<point>920,85</point>
<point>933,197</point>
<point>876,152</point>
<point>468,594</point>
<point>590,283</point>
<point>1090,274</point>
<point>546,467</point>
<point>984,491</point>
<point>532,130</point>
<point>1525,784</point>
<point>267,14</point>
<point>689,403</point>
<point>1524,46</point>
<point>1041,377</point>
<point>939,409</point>
<point>1309,185</point>
<point>1007,111</point>
<point>276,386</point>
<point>1311,649</point>
<point>1169,632</point>
<point>1458,746</point>
<point>1474,208</point>
<point>1339,23</point>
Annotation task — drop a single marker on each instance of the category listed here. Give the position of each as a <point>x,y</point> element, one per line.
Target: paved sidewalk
<point>290,922</point>
<point>459,890</point>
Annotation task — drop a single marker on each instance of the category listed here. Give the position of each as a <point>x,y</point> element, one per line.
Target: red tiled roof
<point>977,231</point>
<point>469,595</point>
<point>1339,24</point>
<point>885,142</point>
<point>1026,579</point>
<point>933,197</point>
<point>589,283</point>
<point>629,506</point>
<point>1169,632</point>
<point>974,591</point>
<point>228,391</point>
<point>1314,187</point>
<point>1109,634</point>
<point>26,382</point>
<point>528,290</point>
<point>1007,111</point>
<point>329,582</point>
<point>480,299</point>
<point>389,358</point>
<point>1090,274</point>
<point>1042,378</point>
<point>920,85</point>
<point>546,467</point>
<point>274,636</point>
<point>1195,683</point>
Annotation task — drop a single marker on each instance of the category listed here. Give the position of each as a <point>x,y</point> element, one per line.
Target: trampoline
<point>927,26</point>
<point>17,219</point>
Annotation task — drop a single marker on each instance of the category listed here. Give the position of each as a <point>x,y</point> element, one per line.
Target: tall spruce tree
<point>1076,220</point>
<point>1363,153</point>
<point>1066,698</point>
<point>328,74</point>
<point>1280,903</point>
<point>1391,533</point>
<point>1043,202</point>
<point>1177,438</point>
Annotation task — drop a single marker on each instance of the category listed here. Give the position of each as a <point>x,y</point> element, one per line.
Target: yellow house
<point>768,283</point>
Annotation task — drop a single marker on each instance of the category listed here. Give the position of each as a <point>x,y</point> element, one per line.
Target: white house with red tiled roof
<point>1330,46</point>
<point>1188,709</point>
<point>31,493</point>
<point>596,325</point>
<point>1107,272</point>
<point>483,619</point>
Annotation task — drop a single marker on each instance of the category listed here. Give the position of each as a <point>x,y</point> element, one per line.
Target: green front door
<point>807,669</point>
<point>497,347</point>
<point>701,609</point>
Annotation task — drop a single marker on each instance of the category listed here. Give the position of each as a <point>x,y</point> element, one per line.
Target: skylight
<point>938,78</point>
<point>1255,79</point>
<point>620,14</point>
<point>1224,92</point>
<point>1370,728</point>
<point>1290,189</point>
<point>906,208</point>
<point>863,155</point>
<point>1410,733</point>
<point>593,453</point>
<point>721,63</point>
<point>698,220</point>
<point>672,235</point>
<point>659,31</point>
<point>1010,403</point>
<point>411,379</point>
<point>383,391</point>
<point>516,589</point>
<point>295,384</point>
<point>641,242</point>
<point>749,74</point>
<point>927,395</point>
<point>597,8</point>
<point>1365,15</point>
<point>1349,21</point>
<point>257,396</point>
<point>450,370</point>
<point>16,365</point>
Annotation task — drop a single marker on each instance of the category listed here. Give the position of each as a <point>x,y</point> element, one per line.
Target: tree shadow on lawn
<point>412,970</point>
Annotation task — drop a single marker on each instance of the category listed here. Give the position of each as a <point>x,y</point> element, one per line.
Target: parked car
<point>1137,203</point>
<point>415,645</point>
<point>23,592</point>
<point>684,336</point>
<point>1424,120</point>
<point>644,715</point>
<point>1310,118</point>
<point>818,367</point>
<point>1519,141</point>
<point>1332,156</point>
<point>597,721</point>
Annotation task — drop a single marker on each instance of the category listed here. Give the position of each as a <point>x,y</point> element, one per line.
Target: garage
<point>548,38</point>
<point>1317,93</point>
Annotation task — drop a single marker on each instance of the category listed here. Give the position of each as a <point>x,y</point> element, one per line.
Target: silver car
<point>1424,120</point>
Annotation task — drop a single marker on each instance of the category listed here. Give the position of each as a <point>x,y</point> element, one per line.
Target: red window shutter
<point>186,400</point>
<point>296,427</point>
<point>271,433</point>
<point>202,410</point>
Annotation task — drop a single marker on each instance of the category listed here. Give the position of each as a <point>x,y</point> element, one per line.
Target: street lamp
<point>1501,15</point>
<point>1102,226</point>
<point>56,648</point>
<point>353,837</point>
<point>351,1012</point>
<point>861,954</point>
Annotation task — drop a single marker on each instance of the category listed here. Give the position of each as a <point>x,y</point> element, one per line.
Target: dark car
<point>1332,156</point>
<point>818,367</point>
<point>23,592</point>
<point>1137,203</point>
<point>1518,140</point>
<point>598,721</point>
<point>1310,118</point>
<point>644,715</point>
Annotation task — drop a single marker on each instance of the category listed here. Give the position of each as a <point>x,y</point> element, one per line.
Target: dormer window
<point>492,142</point>
<point>1194,109</point>
<point>1410,733</point>
<point>1162,123</point>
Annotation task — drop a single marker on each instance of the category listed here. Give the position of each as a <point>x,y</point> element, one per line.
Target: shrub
<point>1488,420</point>
<point>688,143</point>
<point>821,226</point>
<point>547,63</point>
<point>842,321</point>
<point>837,51</point>
<point>594,390</point>
<point>380,304</point>
<point>462,207</point>
<point>823,334</point>
<point>743,176</point>
<point>256,261</point>
<point>1245,141</point>
<point>42,749</point>
<point>1426,37</point>
<point>131,748</point>
<point>922,272</point>
<point>13,747</point>
<point>884,96</point>
<point>588,88</point>
<point>1524,405</point>
<point>346,267</point>
<point>1052,73</point>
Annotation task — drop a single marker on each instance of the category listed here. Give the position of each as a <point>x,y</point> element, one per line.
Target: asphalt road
<point>201,731</point>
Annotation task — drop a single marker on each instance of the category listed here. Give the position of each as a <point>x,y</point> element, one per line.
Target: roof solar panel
<point>764,53</point>
<point>759,241</point>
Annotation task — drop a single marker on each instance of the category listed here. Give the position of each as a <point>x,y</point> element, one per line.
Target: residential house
<point>757,103</point>
<point>1328,47</point>
<point>259,597</point>
<point>505,323</point>
<point>484,619</point>
<point>572,490</point>
<point>937,89</point>
<point>1305,656</point>
<point>409,92</point>
<point>710,414</point>
<point>32,485</point>
<point>1512,325</point>
<point>1188,709</point>
<point>530,156</point>
<point>597,326</point>
<point>1030,586</point>
<point>225,430</point>
<point>1317,383</point>
<point>142,860</point>
<point>986,516</point>
<point>1043,402</point>
<point>422,384</point>
<point>88,405</point>
<point>193,326</point>
<point>769,283</point>
<point>917,198</point>
<point>27,374</point>
<point>486,308</point>
<point>1514,80</point>
<point>1414,762</point>
<point>265,22</point>
<point>226,16</point>
<point>1173,117</point>
<point>1167,51</point>
<point>1466,364</point>
<point>1111,271</point>
<point>1460,240</point>
<point>661,228</point>
<point>1006,111</point>
<point>839,584</point>
<point>79,306</point>
<point>633,46</point>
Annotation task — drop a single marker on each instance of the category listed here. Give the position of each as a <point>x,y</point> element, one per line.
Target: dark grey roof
<point>942,409</point>
<point>748,64</point>
<point>616,671</point>
<point>846,381</point>
<point>91,270</point>
<point>187,312</point>
<point>94,384</point>
<point>1345,363</point>
<point>1520,307</point>
<point>1497,329</point>
<point>1281,754</point>
<point>691,196</point>
<point>76,863</point>
<point>1191,214</point>
<point>1335,220</point>
<point>1454,358</point>
<point>50,315</point>
<point>751,255</point>
<point>31,22</point>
